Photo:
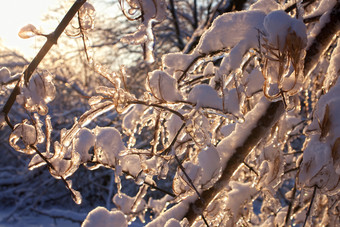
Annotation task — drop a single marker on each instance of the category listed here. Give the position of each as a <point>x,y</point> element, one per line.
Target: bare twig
<point>176,24</point>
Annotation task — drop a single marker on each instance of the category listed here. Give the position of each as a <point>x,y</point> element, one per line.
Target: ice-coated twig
<point>51,40</point>
<point>310,206</point>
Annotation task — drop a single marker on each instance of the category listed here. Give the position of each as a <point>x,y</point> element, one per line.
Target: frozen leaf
<point>37,161</point>
<point>5,75</point>
<point>173,124</point>
<point>240,193</point>
<point>209,69</point>
<point>132,118</point>
<point>64,167</point>
<point>28,31</point>
<point>316,157</point>
<point>101,216</point>
<point>38,93</point>
<point>94,100</point>
<point>254,82</point>
<point>131,164</point>
<point>233,102</point>
<point>152,12</point>
<point>181,183</point>
<point>76,196</point>
<point>87,13</point>
<point>24,135</point>
<point>157,205</point>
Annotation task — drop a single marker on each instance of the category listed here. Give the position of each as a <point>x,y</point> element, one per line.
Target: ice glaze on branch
<point>264,124</point>
<point>51,40</point>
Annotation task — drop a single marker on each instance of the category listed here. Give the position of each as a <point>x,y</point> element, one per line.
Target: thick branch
<point>264,124</point>
<point>322,41</point>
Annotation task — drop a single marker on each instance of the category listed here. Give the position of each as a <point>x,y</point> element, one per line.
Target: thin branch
<point>310,206</point>
<point>289,211</point>
<point>158,106</point>
<point>176,24</point>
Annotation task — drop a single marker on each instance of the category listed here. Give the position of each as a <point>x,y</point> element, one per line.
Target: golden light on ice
<point>17,14</point>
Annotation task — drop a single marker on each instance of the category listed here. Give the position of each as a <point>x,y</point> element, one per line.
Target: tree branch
<point>51,40</point>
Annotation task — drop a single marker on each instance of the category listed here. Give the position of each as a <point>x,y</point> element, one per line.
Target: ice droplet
<point>76,196</point>
<point>140,178</point>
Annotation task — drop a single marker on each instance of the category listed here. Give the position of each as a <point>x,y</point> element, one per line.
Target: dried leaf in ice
<point>28,31</point>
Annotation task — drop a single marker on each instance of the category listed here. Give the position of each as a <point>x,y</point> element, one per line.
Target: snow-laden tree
<point>242,121</point>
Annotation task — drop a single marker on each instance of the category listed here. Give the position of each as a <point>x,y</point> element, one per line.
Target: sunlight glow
<point>18,13</point>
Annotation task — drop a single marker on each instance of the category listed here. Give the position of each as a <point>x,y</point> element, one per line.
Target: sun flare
<point>16,14</point>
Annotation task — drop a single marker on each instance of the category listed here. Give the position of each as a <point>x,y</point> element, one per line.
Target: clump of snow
<point>266,6</point>
<point>164,87</point>
<point>178,61</point>
<point>278,23</point>
<point>131,118</point>
<point>205,96</point>
<point>209,161</point>
<point>109,144</point>
<point>173,223</point>
<point>83,142</point>
<point>229,29</point>
<point>125,203</point>
<point>228,145</point>
<point>100,216</point>
<point>176,212</point>
<point>239,194</point>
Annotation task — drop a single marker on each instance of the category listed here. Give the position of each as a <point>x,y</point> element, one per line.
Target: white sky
<point>15,14</point>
